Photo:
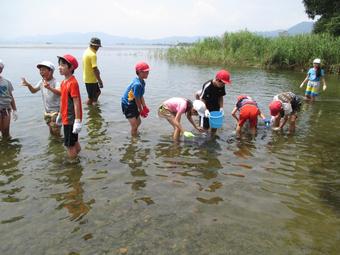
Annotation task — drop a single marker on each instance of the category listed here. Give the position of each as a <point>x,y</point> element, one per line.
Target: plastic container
<point>216,119</point>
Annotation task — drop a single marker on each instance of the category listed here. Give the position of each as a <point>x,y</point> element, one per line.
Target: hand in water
<point>188,134</point>
<point>14,115</point>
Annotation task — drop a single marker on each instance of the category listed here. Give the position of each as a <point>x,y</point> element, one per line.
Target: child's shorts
<point>70,139</point>
<point>92,90</point>
<point>50,119</point>
<point>249,112</point>
<point>130,110</point>
<point>164,112</point>
<point>312,88</point>
<point>5,112</point>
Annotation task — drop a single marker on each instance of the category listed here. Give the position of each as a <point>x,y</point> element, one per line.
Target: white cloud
<point>148,18</point>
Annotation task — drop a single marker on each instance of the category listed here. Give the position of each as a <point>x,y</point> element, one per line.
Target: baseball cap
<point>1,64</point>
<point>275,107</point>
<point>95,42</point>
<point>199,106</point>
<point>71,60</point>
<point>47,64</point>
<point>142,66</point>
<point>317,61</point>
<point>223,76</point>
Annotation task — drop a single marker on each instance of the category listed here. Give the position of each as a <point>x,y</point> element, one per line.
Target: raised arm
<point>25,83</point>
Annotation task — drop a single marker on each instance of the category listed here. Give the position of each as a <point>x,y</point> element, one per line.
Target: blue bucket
<point>216,119</point>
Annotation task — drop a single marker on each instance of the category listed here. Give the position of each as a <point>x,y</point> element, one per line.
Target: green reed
<point>248,49</point>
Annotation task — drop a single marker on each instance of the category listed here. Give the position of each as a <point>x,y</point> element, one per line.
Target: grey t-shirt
<point>51,101</point>
<point>5,97</point>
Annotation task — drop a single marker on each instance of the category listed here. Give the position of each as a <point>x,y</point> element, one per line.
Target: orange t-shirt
<point>69,90</point>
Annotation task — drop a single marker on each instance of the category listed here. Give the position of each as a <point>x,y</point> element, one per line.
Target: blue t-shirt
<point>134,90</point>
<point>312,74</point>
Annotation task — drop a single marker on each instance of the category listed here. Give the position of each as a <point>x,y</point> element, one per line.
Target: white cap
<point>317,61</point>
<point>46,64</point>
<point>200,107</point>
<point>1,64</point>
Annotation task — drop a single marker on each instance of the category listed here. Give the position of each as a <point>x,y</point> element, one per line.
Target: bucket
<point>216,119</point>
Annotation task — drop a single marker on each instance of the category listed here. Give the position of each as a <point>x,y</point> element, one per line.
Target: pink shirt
<point>176,104</point>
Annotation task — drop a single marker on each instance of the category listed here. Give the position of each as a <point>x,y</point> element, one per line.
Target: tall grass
<point>247,49</point>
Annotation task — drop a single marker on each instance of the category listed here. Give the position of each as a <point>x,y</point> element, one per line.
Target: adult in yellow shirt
<point>91,74</point>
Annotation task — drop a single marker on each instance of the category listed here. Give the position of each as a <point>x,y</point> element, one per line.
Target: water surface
<point>275,194</point>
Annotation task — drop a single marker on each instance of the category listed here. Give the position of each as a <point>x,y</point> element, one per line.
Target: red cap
<point>71,60</point>
<point>275,107</point>
<point>142,66</point>
<point>223,76</point>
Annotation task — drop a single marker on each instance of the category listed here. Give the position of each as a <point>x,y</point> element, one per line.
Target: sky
<point>147,19</point>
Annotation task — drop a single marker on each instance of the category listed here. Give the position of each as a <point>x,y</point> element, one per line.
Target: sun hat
<point>317,61</point>
<point>142,66</point>
<point>223,76</point>
<point>47,64</point>
<point>199,106</point>
<point>1,64</point>
<point>275,107</point>
<point>95,42</point>
<point>71,60</point>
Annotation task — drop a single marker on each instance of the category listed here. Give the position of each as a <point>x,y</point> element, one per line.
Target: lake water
<point>275,194</point>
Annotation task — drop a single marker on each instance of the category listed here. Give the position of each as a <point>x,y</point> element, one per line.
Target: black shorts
<point>130,110</point>
<point>93,90</point>
<point>206,124</point>
<point>70,139</point>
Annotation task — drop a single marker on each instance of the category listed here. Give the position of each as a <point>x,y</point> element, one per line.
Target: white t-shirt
<point>51,101</point>
<point>5,96</point>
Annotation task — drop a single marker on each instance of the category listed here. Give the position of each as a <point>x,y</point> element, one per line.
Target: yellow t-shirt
<point>89,62</point>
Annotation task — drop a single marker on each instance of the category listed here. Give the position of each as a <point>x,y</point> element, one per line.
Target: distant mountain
<point>83,38</point>
<point>300,28</point>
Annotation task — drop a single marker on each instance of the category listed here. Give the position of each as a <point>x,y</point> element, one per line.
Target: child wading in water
<point>212,96</point>
<point>314,75</point>
<point>133,103</point>
<point>70,105</point>
<point>173,108</point>
<point>285,105</point>
<point>50,92</point>
<point>248,111</point>
<point>7,104</point>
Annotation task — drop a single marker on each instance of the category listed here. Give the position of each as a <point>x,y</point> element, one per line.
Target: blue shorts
<point>70,139</point>
<point>130,110</point>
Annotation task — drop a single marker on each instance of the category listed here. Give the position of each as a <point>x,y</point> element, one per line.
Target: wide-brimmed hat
<point>47,64</point>
<point>95,42</point>
<point>200,107</point>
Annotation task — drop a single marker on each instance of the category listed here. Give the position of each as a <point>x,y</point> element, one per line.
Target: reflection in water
<point>96,132</point>
<point>73,199</point>
<point>197,160</point>
<point>9,172</point>
<point>135,155</point>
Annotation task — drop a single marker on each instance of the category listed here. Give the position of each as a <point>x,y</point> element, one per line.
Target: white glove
<point>207,113</point>
<point>77,126</point>
<point>221,110</point>
<point>14,115</point>
<point>58,120</point>
<point>302,85</point>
